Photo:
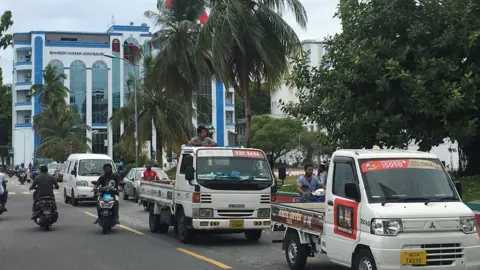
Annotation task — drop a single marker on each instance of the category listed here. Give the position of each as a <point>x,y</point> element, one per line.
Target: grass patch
<point>471,187</point>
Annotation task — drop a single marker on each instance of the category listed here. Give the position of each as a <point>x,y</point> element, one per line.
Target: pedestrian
<point>30,167</point>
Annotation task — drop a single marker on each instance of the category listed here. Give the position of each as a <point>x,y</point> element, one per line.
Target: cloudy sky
<point>96,16</point>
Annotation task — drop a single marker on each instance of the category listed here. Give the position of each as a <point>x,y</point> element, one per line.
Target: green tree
<point>155,104</point>
<point>5,114</point>
<point>179,66</point>
<point>400,72</point>
<point>250,43</point>
<point>5,23</point>
<point>52,92</point>
<point>259,100</point>
<point>275,136</point>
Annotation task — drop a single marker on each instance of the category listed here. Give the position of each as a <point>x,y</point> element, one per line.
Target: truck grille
<point>265,198</point>
<point>205,198</point>
<point>442,254</point>
<point>235,213</point>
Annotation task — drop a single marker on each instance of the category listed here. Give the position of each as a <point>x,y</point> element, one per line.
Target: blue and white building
<point>97,84</point>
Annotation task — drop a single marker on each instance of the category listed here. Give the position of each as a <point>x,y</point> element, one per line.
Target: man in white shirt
<point>3,192</point>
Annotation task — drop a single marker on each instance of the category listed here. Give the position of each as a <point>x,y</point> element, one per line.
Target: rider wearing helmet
<point>43,184</point>
<point>3,191</point>
<point>104,180</point>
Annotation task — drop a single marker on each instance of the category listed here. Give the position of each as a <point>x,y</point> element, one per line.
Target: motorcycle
<point>22,177</point>
<point>46,212</point>
<point>34,174</point>
<point>317,196</point>
<point>2,207</point>
<point>105,206</point>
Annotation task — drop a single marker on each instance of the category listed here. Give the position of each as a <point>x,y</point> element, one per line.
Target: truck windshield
<point>232,165</point>
<point>412,180</point>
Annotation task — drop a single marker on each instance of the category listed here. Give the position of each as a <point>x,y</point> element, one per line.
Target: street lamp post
<point>135,96</point>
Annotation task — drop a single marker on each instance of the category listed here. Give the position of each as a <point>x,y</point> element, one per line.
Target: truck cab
<point>384,209</point>
<point>218,190</point>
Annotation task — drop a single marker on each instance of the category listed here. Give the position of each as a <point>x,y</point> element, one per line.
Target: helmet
<point>43,168</point>
<point>22,164</point>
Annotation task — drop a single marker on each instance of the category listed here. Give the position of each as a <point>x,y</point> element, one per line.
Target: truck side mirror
<point>458,187</point>
<point>351,191</point>
<point>189,173</point>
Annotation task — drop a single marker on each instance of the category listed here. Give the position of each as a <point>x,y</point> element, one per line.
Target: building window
<point>59,65</point>
<point>99,141</point>
<point>26,119</point>
<point>116,45</point>
<point>99,92</point>
<point>78,88</point>
<point>130,49</point>
<point>204,101</point>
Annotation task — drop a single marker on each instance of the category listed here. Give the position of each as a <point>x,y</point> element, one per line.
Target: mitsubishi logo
<point>432,226</point>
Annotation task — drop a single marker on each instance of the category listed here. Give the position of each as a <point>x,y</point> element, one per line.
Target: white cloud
<point>96,16</point>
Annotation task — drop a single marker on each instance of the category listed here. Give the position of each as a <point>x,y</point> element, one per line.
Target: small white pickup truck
<point>217,189</point>
<point>383,209</point>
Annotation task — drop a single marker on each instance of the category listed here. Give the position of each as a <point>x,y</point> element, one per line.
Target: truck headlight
<point>387,227</point>
<point>468,225</point>
<point>206,212</point>
<point>263,212</point>
<point>82,184</point>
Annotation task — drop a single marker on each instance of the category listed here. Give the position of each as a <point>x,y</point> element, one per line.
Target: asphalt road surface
<point>74,242</point>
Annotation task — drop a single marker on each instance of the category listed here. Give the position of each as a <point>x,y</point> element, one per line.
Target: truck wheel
<point>185,234</point>
<point>253,235</point>
<point>163,227</point>
<point>364,260</point>
<point>153,222</point>
<point>295,253</point>
<point>65,197</point>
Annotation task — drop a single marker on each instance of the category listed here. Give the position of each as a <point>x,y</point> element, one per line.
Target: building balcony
<point>230,124</point>
<point>27,65</point>
<point>23,106</point>
<point>229,106</point>
<point>23,85</point>
<point>23,125</point>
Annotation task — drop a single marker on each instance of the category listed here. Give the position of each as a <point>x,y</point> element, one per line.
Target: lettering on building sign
<point>77,53</point>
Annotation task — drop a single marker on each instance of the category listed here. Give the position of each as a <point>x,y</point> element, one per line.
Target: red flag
<point>204,17</point>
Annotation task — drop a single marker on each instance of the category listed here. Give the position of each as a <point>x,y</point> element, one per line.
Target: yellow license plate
<point>236,224</point>
<point>414,257</point>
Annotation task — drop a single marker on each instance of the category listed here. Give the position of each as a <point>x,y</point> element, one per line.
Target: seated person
<point>308,183</point>
<point>202,139</point>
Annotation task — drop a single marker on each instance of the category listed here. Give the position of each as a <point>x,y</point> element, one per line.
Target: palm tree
<point>157,105</point>
<point>58,131</point>
<point>250,43</point>
<point>177,66</point>
<point>52,93</point>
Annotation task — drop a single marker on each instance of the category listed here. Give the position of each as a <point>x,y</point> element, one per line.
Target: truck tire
<point>153,222</point>
<point>364,260</point>
<point>295,253</point>
<point>73,199</point>
<point>185,234</point>
<point>253,235</point>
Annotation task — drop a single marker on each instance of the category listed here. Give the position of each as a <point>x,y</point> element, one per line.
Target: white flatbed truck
<point>217,190</point>
<point>383,209</point>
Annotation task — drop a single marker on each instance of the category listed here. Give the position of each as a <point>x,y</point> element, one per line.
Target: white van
<point>80,170</point>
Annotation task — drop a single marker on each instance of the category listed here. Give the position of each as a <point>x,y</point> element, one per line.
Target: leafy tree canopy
<point>275,136</point>
<point>259,102</point>
<point>400,71</point>
<point>5,23</point>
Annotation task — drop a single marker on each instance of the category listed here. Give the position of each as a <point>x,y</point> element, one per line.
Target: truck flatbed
<point>301,216</point>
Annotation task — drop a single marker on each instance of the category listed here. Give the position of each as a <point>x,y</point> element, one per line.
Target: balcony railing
<point>23,125</point>
<point>23,103</point>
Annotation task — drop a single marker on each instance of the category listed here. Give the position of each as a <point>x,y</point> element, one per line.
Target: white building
<point>447,152</point>
<point>97,84</point>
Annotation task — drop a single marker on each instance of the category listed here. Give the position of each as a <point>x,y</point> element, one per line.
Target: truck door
<point>342,215</point>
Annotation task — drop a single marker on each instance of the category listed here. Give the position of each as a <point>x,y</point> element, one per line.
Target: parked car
<point>132,181</point>
<point>52,167</point>
<point>59,172</point>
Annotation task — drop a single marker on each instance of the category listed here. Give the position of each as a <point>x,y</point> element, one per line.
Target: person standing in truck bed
<point>202,138</point>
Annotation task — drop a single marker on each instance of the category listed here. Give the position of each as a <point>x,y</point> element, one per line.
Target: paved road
<point>75,243</point>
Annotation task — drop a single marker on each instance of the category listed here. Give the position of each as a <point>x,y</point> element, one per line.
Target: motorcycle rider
<point>3,191</point>
<point>103,181</point>
<point>43,185</point>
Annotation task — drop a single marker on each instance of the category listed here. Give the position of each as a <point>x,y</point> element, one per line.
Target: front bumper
<point>85,193</point>
<point>224,224</point>
<point>444,251</point>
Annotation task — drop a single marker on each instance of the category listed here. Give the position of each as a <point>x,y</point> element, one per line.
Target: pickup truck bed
<point>302,216</point>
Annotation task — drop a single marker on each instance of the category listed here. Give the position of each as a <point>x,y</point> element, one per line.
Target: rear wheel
<point>153,222</point>
<point>73,200</point>
<point>65,197</point>
<point>295,253</point>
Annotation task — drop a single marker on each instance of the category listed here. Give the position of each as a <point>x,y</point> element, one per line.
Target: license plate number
<point>105,213</point>
<point>414,257</point>
<point>236,224</point>
<point>47,211</point>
